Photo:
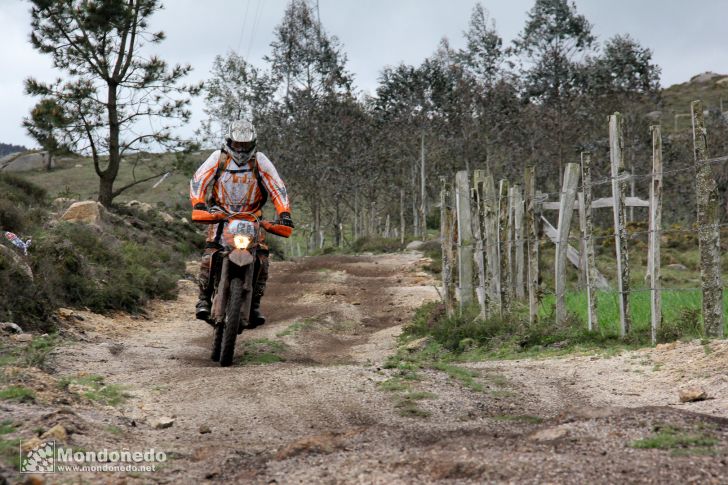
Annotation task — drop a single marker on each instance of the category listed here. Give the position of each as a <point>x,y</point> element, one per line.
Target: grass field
<point>82,183</point>
<point>679,307</point>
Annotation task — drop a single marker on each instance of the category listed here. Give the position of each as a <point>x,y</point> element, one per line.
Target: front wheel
<point>217,341</point>
<point>232,320</point>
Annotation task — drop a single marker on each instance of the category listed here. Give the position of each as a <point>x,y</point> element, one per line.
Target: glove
<point>284,218</point>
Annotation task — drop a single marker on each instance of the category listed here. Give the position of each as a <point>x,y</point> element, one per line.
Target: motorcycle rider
<point>237,178</point>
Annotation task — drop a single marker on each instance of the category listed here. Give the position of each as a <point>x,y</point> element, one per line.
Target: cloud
<point>375,33</point>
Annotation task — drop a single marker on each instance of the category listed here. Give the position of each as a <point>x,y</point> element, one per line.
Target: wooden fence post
<point>447,238</point>
<point>510,243</point>
<point>582,249</point>
<point>566,211</point>
<point>519,239</point>
<point>653,255</point>
<point>465,238</point>
<point>503,229</point>
<point>492,247</point>
<point>619,182</point>
<point>532,220</point>
<point>708,228</point>
<point>477,221</point>
<point>589,256</point>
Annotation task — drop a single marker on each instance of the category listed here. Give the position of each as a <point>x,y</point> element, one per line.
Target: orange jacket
<point>236,189</point>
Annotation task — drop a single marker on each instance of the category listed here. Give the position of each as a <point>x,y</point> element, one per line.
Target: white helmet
<point>241,141</point>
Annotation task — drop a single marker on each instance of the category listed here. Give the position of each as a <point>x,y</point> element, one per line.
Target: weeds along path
<point>310,401</point>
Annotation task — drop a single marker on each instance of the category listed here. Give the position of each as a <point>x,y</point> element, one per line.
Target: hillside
<point>710,87</point>
<point>8,148</point>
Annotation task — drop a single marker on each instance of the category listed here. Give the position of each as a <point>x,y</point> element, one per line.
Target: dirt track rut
<point>320,415</point>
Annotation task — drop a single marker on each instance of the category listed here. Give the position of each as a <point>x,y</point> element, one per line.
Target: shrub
<point>376,245</point>
<point>11,218</point>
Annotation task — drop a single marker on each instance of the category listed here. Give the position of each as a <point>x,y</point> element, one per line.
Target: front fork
<point>219,303</point>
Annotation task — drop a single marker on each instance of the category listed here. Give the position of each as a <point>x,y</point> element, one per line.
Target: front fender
<point>240,257</point>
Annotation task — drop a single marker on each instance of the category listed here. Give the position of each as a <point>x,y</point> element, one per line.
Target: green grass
<point>296,327</point>
<point>95,389</point>
<point>6,427</point>
<point>9,454</point>
<point>678,307</point>
<point>262,351</point>
<point>406,404</point>
<point>520,418</point>
<point>672,438</point>
<point>17,393</point>
<point>465,376</point>
<point>394,384</point>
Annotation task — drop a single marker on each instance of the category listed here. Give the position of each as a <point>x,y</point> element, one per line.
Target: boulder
<point>548,434</point>
<point>692,394</point>
<point>10,327</point>
<point>140,206</point>
<point>415,245</point>
<point>167,218</point>
<point>87,212</point>
<point>57,433</point>
<point>61,203</point>
<point>677,267</point>
<point>162,423</point>
<point>15,259</point>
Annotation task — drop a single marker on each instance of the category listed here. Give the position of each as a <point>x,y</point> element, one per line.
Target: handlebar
<point>218,214</point>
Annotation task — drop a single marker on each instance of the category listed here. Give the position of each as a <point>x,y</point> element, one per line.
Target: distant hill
<point>710,87</point>
<point>7,149</point>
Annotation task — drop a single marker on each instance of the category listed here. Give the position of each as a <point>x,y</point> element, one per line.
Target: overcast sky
<point>687,37</point>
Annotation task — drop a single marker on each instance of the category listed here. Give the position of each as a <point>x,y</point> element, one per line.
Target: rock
<point>414,245</point>
<point>654,115</point>
<point>692,394</point>
<point>22,337</point>
<point>677,267</point>
<point>15,259</point>
<point>68,314</point>
<point>78,165</point>
<point>704,77</point>
<point>204,429</point>
<point>61,203</point>
<point>33,480</point>
<point>23,161</point>
<point>87,212</point>
<point>162,423</point>
<point>57,433</point>
<point>167,218</point>
<point>140,206</point>
<point>667,346</point>
<point>184,220</point>
<point>548,434</point>
<point>28,445</point>
<point>10,327</point>
<point>415,345</point>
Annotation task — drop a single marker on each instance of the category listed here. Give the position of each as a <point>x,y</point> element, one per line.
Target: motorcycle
<point>232,274</point>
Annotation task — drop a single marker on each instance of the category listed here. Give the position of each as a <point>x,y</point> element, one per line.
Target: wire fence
<point>497,250</point>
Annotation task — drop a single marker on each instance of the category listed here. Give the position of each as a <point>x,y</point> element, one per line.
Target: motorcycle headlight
<point>241,241</point>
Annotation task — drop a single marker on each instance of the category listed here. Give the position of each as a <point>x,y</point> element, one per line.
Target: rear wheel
<point>232,319</point>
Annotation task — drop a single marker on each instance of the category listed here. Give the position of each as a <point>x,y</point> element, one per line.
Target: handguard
<point>204,217</point>
<point>277,229</point>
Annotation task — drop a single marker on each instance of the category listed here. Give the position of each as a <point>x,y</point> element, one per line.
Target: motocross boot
<point>202,309</point>
<point>256,317</point>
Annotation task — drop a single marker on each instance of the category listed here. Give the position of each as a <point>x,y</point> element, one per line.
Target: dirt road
<point>309,400</point>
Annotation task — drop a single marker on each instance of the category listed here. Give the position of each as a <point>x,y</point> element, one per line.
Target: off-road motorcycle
<point>232,274</point>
